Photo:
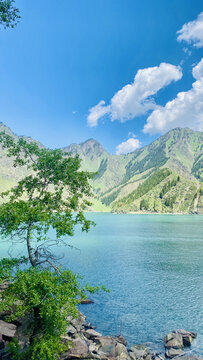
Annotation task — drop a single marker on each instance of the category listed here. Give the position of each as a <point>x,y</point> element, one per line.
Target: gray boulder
<point>140,352</point>
<point>111,348</point>
<point>170,353</point>
<point>122,340</point>
<point>187,336</point>
<point>79,349</point>
<point>121,351</point>
<point>189,357</point>
<point>79,321</point>
<point>177,339</point>
<point>185,333</point>
<point>92,347</point>
<point>91,334</point>
<point>7,329</point>
<point>86,301</point>
<point>107,345</point>
<point>132,355</point>
<point>173,340</point>
<point>71,330</point>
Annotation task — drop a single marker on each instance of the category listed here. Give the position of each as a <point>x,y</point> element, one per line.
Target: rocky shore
<point>87,343</point>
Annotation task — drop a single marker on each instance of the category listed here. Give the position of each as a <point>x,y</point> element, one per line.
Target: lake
<point>153,265</point>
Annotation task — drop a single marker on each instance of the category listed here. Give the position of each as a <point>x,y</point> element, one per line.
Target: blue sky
<point>69,61</point>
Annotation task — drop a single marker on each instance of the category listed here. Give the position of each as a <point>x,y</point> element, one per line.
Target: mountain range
<point>163,177</point>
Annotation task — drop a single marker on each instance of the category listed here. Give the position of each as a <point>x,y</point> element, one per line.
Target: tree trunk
<point>29,248</point>
<point>36,325</point>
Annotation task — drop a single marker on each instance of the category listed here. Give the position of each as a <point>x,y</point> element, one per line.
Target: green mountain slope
<point>165,176</point>
<point>118,177</point>
<point>8,174</point>
<point>111,169</point>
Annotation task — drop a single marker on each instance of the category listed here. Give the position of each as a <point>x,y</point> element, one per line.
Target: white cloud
<point>97,112</point>
<point>192,32</point>
<point>128,146</point>
<point>186,110</point>
<point>136,99</point>
<point>197,71</point>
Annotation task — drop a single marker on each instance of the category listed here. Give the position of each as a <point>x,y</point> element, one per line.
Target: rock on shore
<point>87,343</point>
<point>176,341</point>
<point>90,344</point>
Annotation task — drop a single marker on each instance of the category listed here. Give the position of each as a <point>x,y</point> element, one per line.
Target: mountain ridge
<point>123,183</point>
<point>180,150</point>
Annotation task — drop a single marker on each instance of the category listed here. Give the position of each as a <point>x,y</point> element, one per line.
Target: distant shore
<point>139,213</point>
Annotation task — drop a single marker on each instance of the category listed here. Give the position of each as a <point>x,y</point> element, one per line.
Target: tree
<point>48,297</point>
<point>54,194</point>
<point>144,204</point>
<point>9,14</point>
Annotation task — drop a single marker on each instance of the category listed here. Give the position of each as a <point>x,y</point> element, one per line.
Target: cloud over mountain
<point>128,146</point>
<point>186,110</point>
<point>136,99</point>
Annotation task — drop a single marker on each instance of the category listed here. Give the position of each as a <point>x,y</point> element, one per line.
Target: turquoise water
<point>153,265</point>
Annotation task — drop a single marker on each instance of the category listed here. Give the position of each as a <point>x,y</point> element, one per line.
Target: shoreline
<point>175,345</point>
<point>85,343</point>
<point>140,213</point>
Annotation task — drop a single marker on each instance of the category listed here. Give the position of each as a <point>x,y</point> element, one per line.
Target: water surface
<point>153,265</point>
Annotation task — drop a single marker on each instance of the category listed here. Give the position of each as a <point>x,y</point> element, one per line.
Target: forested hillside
<point>163,177</point>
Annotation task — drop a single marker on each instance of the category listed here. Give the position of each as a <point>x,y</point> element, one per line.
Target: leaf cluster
<point>54,193</point>
<point>48,298</point>
<point>8,267</point>
<point>9,14</point>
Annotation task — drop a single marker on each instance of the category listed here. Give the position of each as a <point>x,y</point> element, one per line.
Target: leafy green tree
<point>54,194</point>
<point>48,297</point>
<point>9,14</point>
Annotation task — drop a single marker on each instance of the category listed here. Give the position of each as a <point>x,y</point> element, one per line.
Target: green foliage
<point>54,194</point>
<point>171,149</point>
<point>155,158</point>
<point>9,14</point>
<point>169,201</point>
<point>48,297</point>
<point>144,204</point>
<point>107,200</point>
<point>197,168</point>
<point>168,186</point>
<point>146,186</point>
<point>46,348</point>
<point>8,267</point>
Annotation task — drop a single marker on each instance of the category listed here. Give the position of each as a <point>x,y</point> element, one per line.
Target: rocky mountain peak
<point>89,148</point>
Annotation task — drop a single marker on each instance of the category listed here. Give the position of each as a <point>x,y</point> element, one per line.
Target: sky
<point>122,72</point>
